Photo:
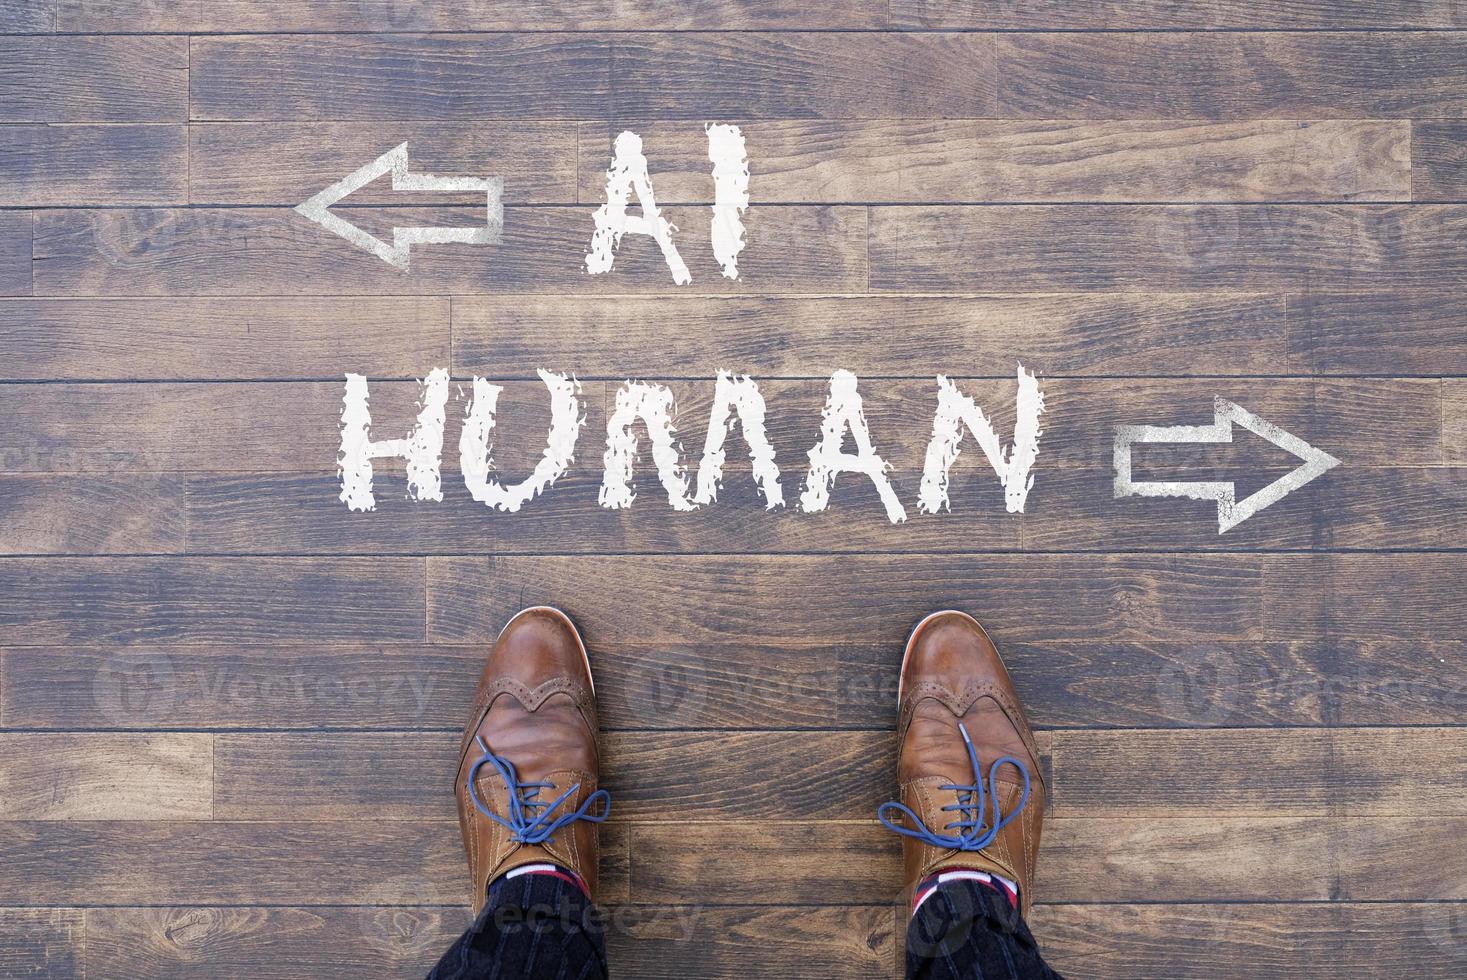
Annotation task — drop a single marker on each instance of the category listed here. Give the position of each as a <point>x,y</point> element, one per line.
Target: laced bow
<point>974,830</point>
<point>530,818</point>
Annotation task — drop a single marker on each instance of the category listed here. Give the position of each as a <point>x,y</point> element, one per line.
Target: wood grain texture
<point>294,429</point>
<point>361,862</point>
<point>303,514</point>
<point>271,252</point>
<point>1252,740</point>
<point>389,941</point>
<point>386,17</point>
<point>77,79</point>
<point>285,163</point>
<point>1125,597</point>
<point>963,161</point>
<point>865,598</point>
<point>178,339</point>
<point>494,76</point>
<point>112,776</point>
<point>140,600</point>
<point>1421,332</point>
<point>1267,941</point>
<point>90,515</point>
<point>831,775</point>
<point>1228,859</point>
<point>384,941</point>
<point>1368,596</point>
<point>1112,15</point>
<point>252,428</point>
<point>1439,161</point>
<point>1401,509</point>
<point>1150,249</point>
<point>45,166</point>
<point>738,685</point>
<point>1300,772</point>
<point>15,252</point>
<point>1230,75</point>
<point>699,776</point>
<point>776,336</point>
<point>48,944</point>
<point>1454,419</point>
<point>587,76</point>
<point>28,17</point>
<point>224,686</point>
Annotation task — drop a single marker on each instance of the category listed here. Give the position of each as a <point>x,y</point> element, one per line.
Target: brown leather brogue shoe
<point>528,766</point>
<point>972,792</point>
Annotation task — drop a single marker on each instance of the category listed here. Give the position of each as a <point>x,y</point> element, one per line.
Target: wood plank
<point>286,163</point>
<point>229,685</point>
<point>1364,596</point>
<point>1398,509</point>
<point>425,77</point>
<point>16,231</point>
<point>268,251</point>
<point>766,601</point>
<point>1367,941</point>
<point>1373,423</point>
<point>47,944</point>
<point>49,166</point>
<point>385,16</point>
<point>733,685</point>
<point>361,862</point>
<point>28,17</point>
<point>383,941</point>
<point>1200,15</point>
<point>1148,249</point>
<point>390,941</point>
<point>777,336</point>
<point>966,160</point>
<point>1164,774</point>
<point>1417,332</point>
<point>570,76</point>
<point>687,776</point>
<point>75,79</point>
<point>829,775</point>
<point>176,339</point>
<point>303,514</point>
<point>130,600</point>
<point>112,776</point>
<point>134,428</point>
<point>354,863</point>
<point>1217,859</point>
<point>1454,419</point>
<point>1438,160</point>
<point>91,515</point>
<point>1230,75</point>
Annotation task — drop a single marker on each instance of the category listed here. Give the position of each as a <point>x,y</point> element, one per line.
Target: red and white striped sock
<point>553,870</point>
<point>932,882</point>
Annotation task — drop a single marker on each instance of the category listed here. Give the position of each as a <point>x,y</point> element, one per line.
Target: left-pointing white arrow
<point>1230,511</point>
<point>395,161</point>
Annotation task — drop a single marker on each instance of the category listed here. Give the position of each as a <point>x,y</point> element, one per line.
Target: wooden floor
<point>229,707</point>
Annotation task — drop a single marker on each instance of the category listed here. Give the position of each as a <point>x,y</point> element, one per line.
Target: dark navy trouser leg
<point>968,931</point>
<point>535,927</point>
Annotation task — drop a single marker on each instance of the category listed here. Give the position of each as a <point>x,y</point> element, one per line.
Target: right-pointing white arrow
<point>1230,511</point>
<point>395,161</point>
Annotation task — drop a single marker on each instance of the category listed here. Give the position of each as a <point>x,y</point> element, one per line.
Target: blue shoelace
<point>974,831</point>
<point>529,820</point>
